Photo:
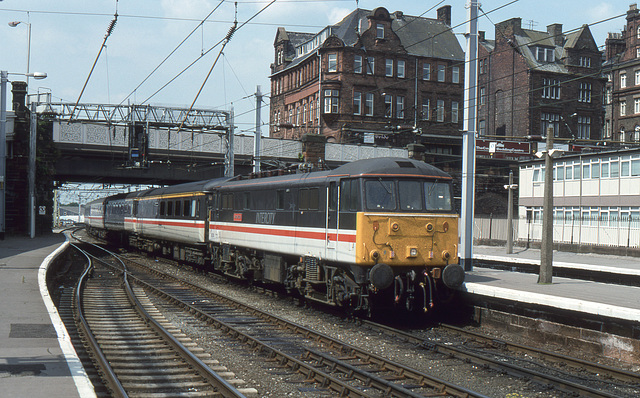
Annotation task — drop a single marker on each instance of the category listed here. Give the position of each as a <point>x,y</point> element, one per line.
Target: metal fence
<point>591,231</point>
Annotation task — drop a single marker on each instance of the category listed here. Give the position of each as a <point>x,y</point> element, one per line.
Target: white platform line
<point>565,303</point>
<point>560,264</point>
<point>80,378</point>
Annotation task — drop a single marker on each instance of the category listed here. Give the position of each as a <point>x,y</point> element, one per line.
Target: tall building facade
<point>531,80</point>
<point>374,77</point>
<point>622,70</point>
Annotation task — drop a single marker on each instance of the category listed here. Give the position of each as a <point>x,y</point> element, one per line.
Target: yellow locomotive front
<point>408,235</point>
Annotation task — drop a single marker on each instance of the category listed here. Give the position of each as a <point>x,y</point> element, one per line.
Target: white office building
<point>596,199</point>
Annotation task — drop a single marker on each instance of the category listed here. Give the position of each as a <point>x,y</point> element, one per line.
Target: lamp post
<point>13,24</point>
<point>4,79</point>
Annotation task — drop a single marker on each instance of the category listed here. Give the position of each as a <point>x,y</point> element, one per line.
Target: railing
<point>591,231</point>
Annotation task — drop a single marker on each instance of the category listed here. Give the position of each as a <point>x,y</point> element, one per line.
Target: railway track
<point>335,365</point>
<point>136,355</point>
<point>568,373</point>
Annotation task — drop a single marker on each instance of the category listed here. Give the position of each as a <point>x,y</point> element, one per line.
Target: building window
<point>455,74</point>
<point>400,107</point>
<point>371,62</point>
<point>585,62</point>
<point>401,68</point>
<point>304,113</point>
<point>426,113</point>
<point>298,109</point>
<point>584,127</point>
<point>551,88</point>
<point>638,32</point>
<point>331,98</point>
<point>545,54</point>
<point>454,112</point>
<point>638,52</point>
<point>482,127</point>
<point>636,105</point>
<point>357,103</point>
<point>607,96</point>
<point>482,66</point>
<point>549,120</point>
<point>388,105</point>
<point>483,95</point>
<point>637,76</point>
<point>379,31</point>
<point>584,92</point>
<point>623,80</point>
<point>333,63</point>
<point>440,111</point>
<point>357,64</point>
<point>388,67</point>
<point>426,71</point>
<point>368,104</point>
<point>623,108</point>
<point>441,71</point>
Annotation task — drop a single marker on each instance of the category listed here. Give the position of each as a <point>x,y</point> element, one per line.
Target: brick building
<point>374,77</point>
<point>622,69</point>
<point>531,80</point>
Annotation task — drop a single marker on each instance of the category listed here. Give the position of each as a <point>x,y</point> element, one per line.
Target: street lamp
<point>13,24</point>
<point>4,78</point>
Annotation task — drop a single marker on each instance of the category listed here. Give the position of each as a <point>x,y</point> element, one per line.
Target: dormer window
<point>544,54</point>
<point>379,31</point>
<point>585,62</point>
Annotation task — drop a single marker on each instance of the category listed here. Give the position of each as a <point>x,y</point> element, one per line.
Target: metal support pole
<point>510,187</point>
<point>32,170</point>
<point>469,137</point>
<point>546,249</point>
<point>229,161</point>
<point>257,140</point>
<point>4,78</point>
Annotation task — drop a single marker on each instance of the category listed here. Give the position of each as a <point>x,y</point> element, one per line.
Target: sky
<point>66,37</point>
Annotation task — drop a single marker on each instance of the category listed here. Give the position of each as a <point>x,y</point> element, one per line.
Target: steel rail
<point>514,370</point>
<point>110,379</point>
<point>619,374</point>
<point>222,387</point>
<point>425,379</point>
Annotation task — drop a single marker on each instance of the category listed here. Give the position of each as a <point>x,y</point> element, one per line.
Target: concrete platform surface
<point>36,355</point>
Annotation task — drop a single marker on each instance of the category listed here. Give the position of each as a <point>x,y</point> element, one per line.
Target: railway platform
<point>36,355</point>
<point>571,294</point>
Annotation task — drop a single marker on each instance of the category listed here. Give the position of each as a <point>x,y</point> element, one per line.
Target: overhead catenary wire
<point>112,25</point>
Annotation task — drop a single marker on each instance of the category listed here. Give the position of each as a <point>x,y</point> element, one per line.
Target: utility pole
<point>4,78</point>
<point>546,249</point>
<point>511,187</point>
<point>229,158</point>
<point>257,140</point>
<point>469,137</point>
<point>33,130</point>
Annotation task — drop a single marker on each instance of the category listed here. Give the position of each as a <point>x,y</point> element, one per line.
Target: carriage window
<point>245,200</point>
<point>349,195</point>
<point>186,208</point>
<point>194,204</point>
<point>162,209</point>
<point>410,194</point>
<point>308,199</point>
<point>178,208</point>
<point>380,194</point>
<point>333,196</point>
<point>169,208</point>
<point>280,199</point>
<point>438,196</point>
<point>227,201</point>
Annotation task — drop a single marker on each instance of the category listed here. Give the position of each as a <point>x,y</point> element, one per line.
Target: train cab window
<point>308,199</point>
<point>438,196</point>
<point>350,195</point>
<point>186,208</point>
<point>162,209</point>
<point>280,199</point>
<point>410,195</point>
<point>380,194</point>
<point>178,209</point>
<point>169,208</point>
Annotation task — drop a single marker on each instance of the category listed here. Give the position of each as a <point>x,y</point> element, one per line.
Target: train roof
<point>389,166</point>
<point>197,186</point>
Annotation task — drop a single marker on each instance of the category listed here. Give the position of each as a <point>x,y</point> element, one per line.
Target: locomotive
<point>370,235</point>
